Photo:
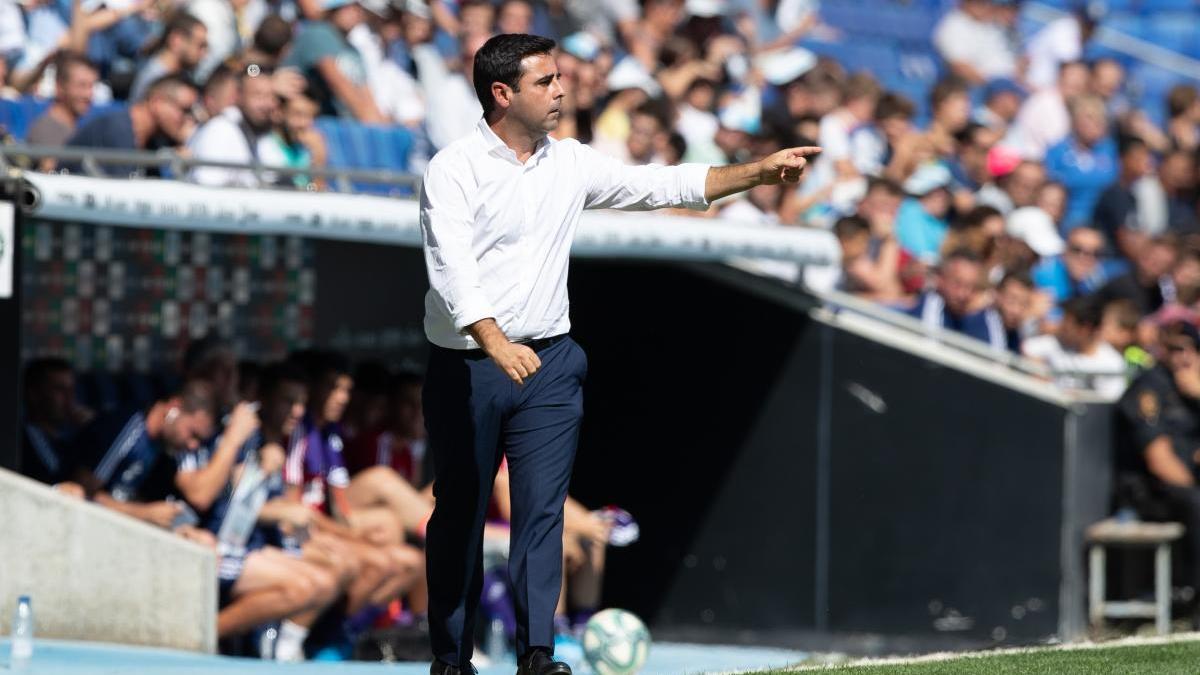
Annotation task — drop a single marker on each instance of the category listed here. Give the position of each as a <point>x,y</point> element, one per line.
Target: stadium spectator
<point>334,68</point>
<point>220,91</point>
<point>183,44</point>
<point>296,143</point>
<point>1044,120</point>
<point>1117,212</point>
<point>1158,432</point>
<point>214,360</point>
<point>950,107</point>
<point>974,44</point>
<point>236,134</point>
<point>1013,190</point>
<point>1060,41</point>
<point>125,460</point>
<point>74,83</point>
<point>50,415</point>
<point>836,164</point>
<point>921,223</point>
<point>272,39</point>
<point>953,305</point>
<point>1148,285</point>
<point>163,119</point>
<point>1076,355</point>
<point>1077,271</point>
<point>1183,124</point>
<point>1052,198</point>
<point>1002,100</point>
<point>1015,306</point>
<point>1085,162</point>
<point>873,146</point>
<point>399,442</point>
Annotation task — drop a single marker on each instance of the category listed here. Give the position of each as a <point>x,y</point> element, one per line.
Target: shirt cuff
<point>471,309</point>
<point>692,178</point>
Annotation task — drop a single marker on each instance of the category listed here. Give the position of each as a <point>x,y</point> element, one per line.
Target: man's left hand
<point>785,166</point>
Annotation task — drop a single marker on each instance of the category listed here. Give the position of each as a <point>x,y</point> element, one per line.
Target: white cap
<point>418,8</point>
<point>629,74</point>
<point>705,7</point>
<point>1036,228</point>
<point>781,67</point>
<point>927,178</point>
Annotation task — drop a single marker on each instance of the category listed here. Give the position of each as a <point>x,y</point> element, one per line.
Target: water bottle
<point>266,643</point>
<point>22,634</point>
<point>497,641</point>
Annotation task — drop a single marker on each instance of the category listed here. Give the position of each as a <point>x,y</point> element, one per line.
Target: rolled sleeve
<point>613,185</point>
<point>446,230</point>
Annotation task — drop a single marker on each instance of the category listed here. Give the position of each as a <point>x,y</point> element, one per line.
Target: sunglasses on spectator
<point>1089,252</point>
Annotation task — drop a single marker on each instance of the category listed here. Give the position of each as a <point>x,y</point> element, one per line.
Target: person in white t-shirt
<point>235,134</point>
<point>974,44</point>
<point>1077,357</point>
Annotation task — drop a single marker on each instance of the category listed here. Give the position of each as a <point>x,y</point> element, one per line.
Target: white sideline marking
<point>949,656</point>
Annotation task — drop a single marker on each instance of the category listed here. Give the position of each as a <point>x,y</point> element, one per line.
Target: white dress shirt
<point>498,233</point>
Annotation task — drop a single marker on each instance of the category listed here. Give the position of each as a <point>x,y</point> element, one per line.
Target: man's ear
<point>502,93</point>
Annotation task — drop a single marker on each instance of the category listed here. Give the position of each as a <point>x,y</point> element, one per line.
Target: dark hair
<point>273,35</point>
<point>1180,98</point>
<point>945,88</point>
<point>201,355</point>
<point>275,375</point>
<point>1084,311</point>
<point>219,76</point>
<point>402,381</point>
<point>861,85</point>
<point>1021,278</point>
<point>197,396</point>
<point>964,254</point>
<point>891,105</point>
<point>39,370</point>
<point>320,367</point>
<point>850,226</point>
<point>1131,144</point>
<point>499,60</point>
<point>168,84</point>
<point>977,216</point>
<point>886,184</point>
<point>180,23</point>
<point>65,61</point>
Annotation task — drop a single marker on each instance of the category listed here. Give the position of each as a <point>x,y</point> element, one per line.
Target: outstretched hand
<point>786,166</point>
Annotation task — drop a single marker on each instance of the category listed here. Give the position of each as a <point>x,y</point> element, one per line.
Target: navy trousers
<point>475,415</point>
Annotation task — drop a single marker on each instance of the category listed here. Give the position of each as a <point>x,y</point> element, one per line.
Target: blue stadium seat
<point>18,115</point>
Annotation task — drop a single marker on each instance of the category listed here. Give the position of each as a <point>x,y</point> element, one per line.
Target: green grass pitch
<point>1172,658</point>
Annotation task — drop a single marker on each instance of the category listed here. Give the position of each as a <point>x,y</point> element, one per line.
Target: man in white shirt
<point>234,135</point>
<point>1043,120</point>
<point>498,211</point>
<point>973,44</point>
<point>1077,357</point>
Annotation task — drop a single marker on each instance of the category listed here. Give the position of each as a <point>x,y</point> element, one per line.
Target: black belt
<point>542,343</point>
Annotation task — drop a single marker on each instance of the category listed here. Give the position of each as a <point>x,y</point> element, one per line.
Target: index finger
<point>805,151</point>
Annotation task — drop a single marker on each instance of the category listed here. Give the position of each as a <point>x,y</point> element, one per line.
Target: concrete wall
<point>94,574</point>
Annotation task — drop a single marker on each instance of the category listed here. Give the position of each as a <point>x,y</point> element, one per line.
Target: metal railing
<point>91,160</point>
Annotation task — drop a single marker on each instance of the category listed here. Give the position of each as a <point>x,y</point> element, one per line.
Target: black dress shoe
<point>440,667</point>
<point>538,662</point>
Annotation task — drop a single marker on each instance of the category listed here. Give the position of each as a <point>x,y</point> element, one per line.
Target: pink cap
<point>1001,160</point>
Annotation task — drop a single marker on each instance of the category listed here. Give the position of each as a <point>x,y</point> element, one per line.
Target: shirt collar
<point>496,146</point>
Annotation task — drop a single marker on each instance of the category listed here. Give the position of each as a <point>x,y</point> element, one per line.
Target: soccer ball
<point>616,642</point>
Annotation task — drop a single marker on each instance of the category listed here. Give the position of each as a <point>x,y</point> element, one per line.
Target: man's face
<point>347,17</point>
<point>52,401</point>
<point>1052,199</point>
<point>1084,246</point>
<point>1181,353</point>
<point>1178,171</point>
<point>1024,183</point>
<point>515,17</point>
<point>954,112</point>
<point>937,203</point>
<point>76,93</point>
<point>1073,80</point>
<point>1090,125</point>
<point>1006,105</point>
<point>285,408</point>
<point>895,128</point>
<point>643,129</point>
<point>259,103</point>
<point>339,396</point>
<point>299,115</point>
<point>185,431</point>
<point>477,19</point>
<point>1154,260</point>
<point>171,110</point>
<point>1074,335</point>
<point>855,247</point>
<point>193,49</point>
<point>537,103</point>
<point>1107,78</point>
<point>879,207</point>
<point>1012,301</point>
<point>1138,162</point>
<point>958,283</point>
<point>219,96</point>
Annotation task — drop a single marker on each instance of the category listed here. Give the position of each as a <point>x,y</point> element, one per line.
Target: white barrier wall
<point>97,575</point>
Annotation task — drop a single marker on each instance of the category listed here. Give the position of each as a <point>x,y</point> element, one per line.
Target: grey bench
<point>1132,534</point>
